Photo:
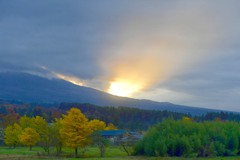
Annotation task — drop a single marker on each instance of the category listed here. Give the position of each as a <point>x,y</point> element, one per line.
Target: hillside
<point>29,88</point>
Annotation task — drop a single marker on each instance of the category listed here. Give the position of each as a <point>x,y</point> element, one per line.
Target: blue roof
<point>113,132</point>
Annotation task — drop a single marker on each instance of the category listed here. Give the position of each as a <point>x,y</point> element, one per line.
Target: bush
<point>185,138</point>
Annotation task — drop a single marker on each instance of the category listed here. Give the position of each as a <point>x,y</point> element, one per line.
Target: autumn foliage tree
<point>75,129</point>
<point>111,126</point>
<point>11,134</point>
<point>29,137</point>
<point>96,125</point>
<point>40,125</point>
<point>10,119</point>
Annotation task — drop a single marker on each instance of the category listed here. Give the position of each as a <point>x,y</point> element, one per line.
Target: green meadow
<point>92,153</point>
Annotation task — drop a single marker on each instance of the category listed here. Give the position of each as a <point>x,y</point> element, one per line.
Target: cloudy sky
<point>180,51</point>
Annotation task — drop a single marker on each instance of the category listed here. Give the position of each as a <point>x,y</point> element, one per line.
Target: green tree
<point>184,137</point>
<point>219,148</point>
<point>11,134</point>
<point>44,131</point>
<point>182,147</point>
<point>26,122</point>
<point>56,137</point>
<point>160,147</point>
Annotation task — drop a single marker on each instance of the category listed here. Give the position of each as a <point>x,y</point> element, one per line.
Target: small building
<point>113,135</point>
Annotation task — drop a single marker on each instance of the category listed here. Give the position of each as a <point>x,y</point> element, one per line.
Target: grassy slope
<point>112,153</point>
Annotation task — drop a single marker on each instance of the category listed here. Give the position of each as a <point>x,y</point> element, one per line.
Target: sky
<point>180,51</point>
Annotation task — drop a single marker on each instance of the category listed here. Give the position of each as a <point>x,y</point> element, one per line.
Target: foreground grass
<point>38,153</point>
<point>162,158</point>
<point>92,153</point>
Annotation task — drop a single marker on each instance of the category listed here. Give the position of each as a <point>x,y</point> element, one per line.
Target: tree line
<point>180,135</point>
<point>72,130</point>
<point>188,138</point>
<point>123,117</point>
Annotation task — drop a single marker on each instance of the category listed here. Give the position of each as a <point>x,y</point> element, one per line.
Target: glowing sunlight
<point>70,79</point>
<point>123,89</point>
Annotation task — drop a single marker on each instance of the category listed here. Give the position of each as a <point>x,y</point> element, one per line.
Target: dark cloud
<point>198,42</point>
<point>62,35</point>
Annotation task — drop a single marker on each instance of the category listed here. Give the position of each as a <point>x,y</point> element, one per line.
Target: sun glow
<point>70,79</point>
<point>123,89</point>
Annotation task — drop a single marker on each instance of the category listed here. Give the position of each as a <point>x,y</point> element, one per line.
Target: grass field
<point>112,153</point>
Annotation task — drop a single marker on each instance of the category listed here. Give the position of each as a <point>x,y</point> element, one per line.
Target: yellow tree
<point>29,137</point>
<point>75,129</point>
<point>25,121</point>
<point>11,134</point>
<point>95,125</point>
<point>39,124</point>
<point>111,126</point>
<point>187,119</point>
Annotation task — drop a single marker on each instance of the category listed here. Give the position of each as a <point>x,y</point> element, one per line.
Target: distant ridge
<point>23,87</point>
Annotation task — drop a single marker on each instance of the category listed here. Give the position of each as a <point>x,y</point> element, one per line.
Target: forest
<point>188,138</point>
<point>164,133</point>
<point>133,119</point>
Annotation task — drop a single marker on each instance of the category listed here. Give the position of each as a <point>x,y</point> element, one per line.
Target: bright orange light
<point>123,89</point>
<point>70,79</point>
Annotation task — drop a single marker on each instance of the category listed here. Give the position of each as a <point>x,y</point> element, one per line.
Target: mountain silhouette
<point>24,87</point>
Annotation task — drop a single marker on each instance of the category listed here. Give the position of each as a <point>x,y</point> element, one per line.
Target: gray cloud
<point>197,40</point>
<point>62,35</point>
<point>215,84</point>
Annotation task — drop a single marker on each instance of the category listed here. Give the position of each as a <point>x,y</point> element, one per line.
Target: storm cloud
<point>186,52</point>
